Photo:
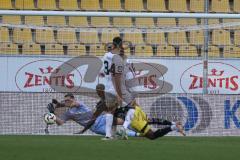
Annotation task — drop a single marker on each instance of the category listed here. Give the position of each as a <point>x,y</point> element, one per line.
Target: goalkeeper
<point>81,114</point>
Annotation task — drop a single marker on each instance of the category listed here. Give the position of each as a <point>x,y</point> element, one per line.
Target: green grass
<point>92,148</point>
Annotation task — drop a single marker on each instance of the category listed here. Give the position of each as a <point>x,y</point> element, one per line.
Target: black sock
<point>159,121</point>
<point>162,132</point>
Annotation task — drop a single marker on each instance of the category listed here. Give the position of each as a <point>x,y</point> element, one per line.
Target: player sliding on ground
<point>136,118</point>
<point>81,114</point>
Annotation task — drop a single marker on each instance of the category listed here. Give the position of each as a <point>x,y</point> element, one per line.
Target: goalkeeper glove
<point>51,107</point>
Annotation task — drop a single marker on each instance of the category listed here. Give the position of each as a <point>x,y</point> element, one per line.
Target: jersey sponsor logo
<point>222,78</point>
<point>35,76</point>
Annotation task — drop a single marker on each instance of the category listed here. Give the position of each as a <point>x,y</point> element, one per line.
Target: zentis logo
<point>222,78</point>
<point>40,75</point>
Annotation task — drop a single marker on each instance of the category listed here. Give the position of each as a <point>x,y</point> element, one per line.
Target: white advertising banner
<point>32,74</point>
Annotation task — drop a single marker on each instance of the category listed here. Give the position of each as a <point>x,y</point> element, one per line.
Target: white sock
<point>173,127</point>
<point>109,122</point>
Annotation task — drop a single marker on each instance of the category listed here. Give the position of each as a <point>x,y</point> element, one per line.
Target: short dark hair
<point>69,95</point>
<point>117,41</point>
<point>100,87</point>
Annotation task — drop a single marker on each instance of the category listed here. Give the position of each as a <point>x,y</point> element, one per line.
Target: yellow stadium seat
<point>231,52</point>
<point>100,21</point>
<point>156,5</point>
<point>213,51</point>
<point>178,5</point>
<point>46,4</point>
<point>154,37</point>
<point>90,5</point>
<point>31,49</point>
<point>22,35</point>
<point>98,50</point>
<point>237,37</point>
<point>34,20</point>
<point>237,27</point>
<point>220,6</point>
<point>187,22</point>
<point>134,36</point>
<point>54,49</point>
<point>166,51</point>
<point>128,51</point>
<point>76,50</point>
<point>134,5</point>
<point>143,50</point>
<point>236,6</point>
<point>11,19</point>
<point>109,34</point>
<point>177,38</point>
<point>66,36</point>
<point>68,5</point>
<point>144,22</point>
<point>122,22</point>
<point>56,20</point>
<point>89,36</point>
<point>24,4</point>
<point>112,5</point>
<point>6,4</point>
<point>221,37</point>
<point>78,22</point>
<point>45,36</point>
<point>4,35</point>
<point>166,22</point>
<point>188,51</point>
<point>196,37</point>
<point>196,5</point>
<point>211,21</point>
<point>8,48</point>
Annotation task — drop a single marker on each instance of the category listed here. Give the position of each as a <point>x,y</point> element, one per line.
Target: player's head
<point>100,90</point>
<point>117,43</point>
<point>69,99</point>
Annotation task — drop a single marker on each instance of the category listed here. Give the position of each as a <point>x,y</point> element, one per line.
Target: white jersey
<point>107,65</point>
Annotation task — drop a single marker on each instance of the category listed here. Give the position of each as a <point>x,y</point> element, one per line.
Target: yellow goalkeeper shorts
<point>140,121</point>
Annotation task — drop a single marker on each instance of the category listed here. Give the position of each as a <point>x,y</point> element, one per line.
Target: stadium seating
<point>166,51</point>
<point>54,49</point>
<point>89,36</point>
<point>68,5</point>
<point>76,49</point>
<point>11,19</point>
<point>156,5</point>
<point>8,48</point>
<point>46,4</point>
<point>22,36</point>
<point>34,20</point>
<point>122,22</point>
<point>4,35</point>
<point>6,4</point>
<point>98,50</point>
<point>144,22</point>
<point>134,36</point>
<point>196,5</point>
<point>236,6</point>
<point>45,36</point>
<point>237,38</point>
<point>220,6</point>
<point>25,4</point>
<point>100,22</point>
<point>177,38</point>
<point>31,48</point>
<point>231,52</point>
<point>78,21</point>
<point>155,38</point>
<point>166,22</point>
<point>56,21</point>
<point>90,5</point>
<point>188,51</point>
<point>143,50</point>
<point>187,22</point>
<point>66,36</point>
<point>213,51</point>
<point>177,6</point>
<point>221,37</point>
<point>196,38</point>
<point>134,5</point>
<point>108,35</point>
<point>112,5</point>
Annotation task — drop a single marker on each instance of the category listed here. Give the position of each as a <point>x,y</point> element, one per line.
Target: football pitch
<point>92,148</point>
